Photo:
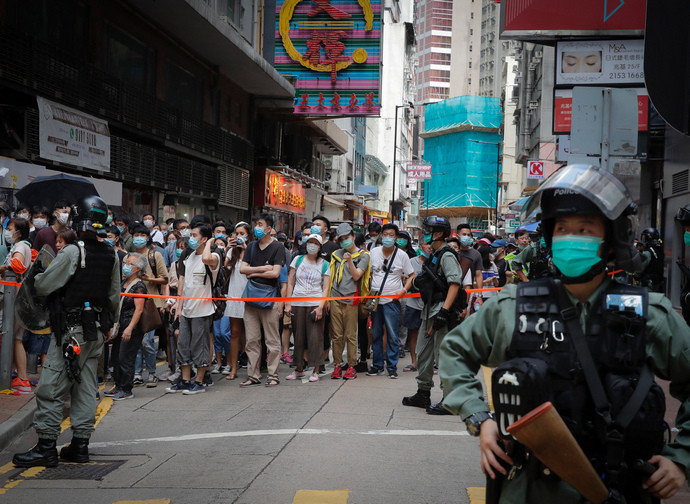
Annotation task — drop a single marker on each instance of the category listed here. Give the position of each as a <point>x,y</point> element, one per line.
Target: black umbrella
<point>46,191</point>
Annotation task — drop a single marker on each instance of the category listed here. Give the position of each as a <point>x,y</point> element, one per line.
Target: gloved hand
<point>441,319</point>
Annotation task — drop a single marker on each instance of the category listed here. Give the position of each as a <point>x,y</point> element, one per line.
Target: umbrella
<point>531,227</point>
<point>48,190</point>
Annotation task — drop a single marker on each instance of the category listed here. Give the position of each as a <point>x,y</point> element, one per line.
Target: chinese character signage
<point>418,171</point>
<point>284,193</point>
<point>600,62</point>
<point>333,49</point>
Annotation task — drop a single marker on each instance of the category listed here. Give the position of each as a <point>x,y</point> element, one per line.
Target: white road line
<point>277,432</point>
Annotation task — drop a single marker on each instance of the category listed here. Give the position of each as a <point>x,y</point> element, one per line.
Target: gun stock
<point>543,431</point>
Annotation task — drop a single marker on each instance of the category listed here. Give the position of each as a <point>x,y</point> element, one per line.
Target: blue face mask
<point>316,230</point>
<point>575,255</point>
<point>165,233</point>
<point>121,229</point>
<point>466,241</point>
<point>139,242</point>
<point>686,238</point>
<point>424,254</point>
<point>388,241</point>
<point>305,238</point>
<point>109,241</point>
<point>542,242</point>
<point>427,238</point>
<point>178,252</point>
<point>109,220</point>
<point>347,244</point>
<point>220,235</point>
<point>241,240</point>
<point>259,233</point>
<point>401,242</point>
<point>127,270</point>
<point>193,243</point>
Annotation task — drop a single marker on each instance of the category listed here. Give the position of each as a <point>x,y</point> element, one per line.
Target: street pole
<point>395,152</point>
<point>7,332</point>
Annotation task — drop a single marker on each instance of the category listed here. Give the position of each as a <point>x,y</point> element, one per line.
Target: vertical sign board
<point>535,169</point>
<point>333,49</point>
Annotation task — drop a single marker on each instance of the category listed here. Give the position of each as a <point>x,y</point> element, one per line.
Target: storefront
<point>378,216</point>
<point>281,196</point>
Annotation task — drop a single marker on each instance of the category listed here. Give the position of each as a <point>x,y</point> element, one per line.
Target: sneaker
<point>402,353</point>
<point>322,370</point>
<point>216,369</point>
<point>285,358</point>
<point>152,381</point>
<point>122,395</point>
<point>112,392</point>
<point>194,388</point>
<point>207,381</point>
<point>314,377</point>
<point>180,386</point>
<point>361,367</point>
<point>294,376</point>
<point>393,375</point>
<point>175,376</point>
<point>350,374</point>
<point>337,373</point>
<point>21,386</point>
<point>138,380</point>
<point>226,370</point>
<point>375,372</point>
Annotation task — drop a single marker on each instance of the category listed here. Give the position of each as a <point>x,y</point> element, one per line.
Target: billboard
<point>333,50</point>
<point>548,19</point>
<point>562,110</point>
<point>599,62</point>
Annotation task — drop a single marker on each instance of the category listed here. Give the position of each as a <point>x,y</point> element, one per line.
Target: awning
<point>517,205</point>
<point>375,165</point>
<point>366,190</point>
<point>379,214</point>
<point>333,202</point>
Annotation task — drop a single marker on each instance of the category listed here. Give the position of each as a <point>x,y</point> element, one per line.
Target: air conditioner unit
<point>350,186</point>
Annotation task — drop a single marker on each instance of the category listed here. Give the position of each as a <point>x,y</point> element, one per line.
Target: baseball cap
<point>499,243</point>
<point>344,229</point>
<point>315,237</point>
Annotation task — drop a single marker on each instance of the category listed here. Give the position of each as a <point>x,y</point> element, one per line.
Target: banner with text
<point>418,172</point>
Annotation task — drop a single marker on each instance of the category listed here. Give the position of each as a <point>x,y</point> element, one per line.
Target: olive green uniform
<point>428,346</point>
<point>54,384</point>
<point>485,337</point>
<point>522,260</point>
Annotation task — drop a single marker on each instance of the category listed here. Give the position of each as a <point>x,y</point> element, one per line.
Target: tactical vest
<point>543,347</point>
<point>653,274</point>
<point>539,265</point>
<point>431,282</point>
<point>91,280</point>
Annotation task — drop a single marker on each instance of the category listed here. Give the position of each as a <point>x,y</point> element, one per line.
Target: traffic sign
<point>535,169</point>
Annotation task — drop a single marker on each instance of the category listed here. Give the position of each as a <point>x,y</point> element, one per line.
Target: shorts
<point>413,319</point>
<point>36,344</point>
<point>193,342</point>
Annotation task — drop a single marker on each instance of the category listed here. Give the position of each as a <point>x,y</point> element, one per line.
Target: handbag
<point>150,317</point>
<point>370,305</point>
<point>254,289</point>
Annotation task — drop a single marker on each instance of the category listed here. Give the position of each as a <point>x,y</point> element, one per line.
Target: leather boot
<point>437,409</point>
<point>77,451</point>
<point>422,399</point>
<point>43,454</point>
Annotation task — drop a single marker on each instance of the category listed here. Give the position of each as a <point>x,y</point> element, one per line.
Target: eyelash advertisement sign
<point>610,62</point>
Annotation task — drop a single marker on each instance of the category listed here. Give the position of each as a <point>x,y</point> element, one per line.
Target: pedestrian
<point>592,352</point>
<point>47,235</point>
<point>350,276</point>
<point>301,247</point>
<point>498,249</point>
<point>262,262</point>
<point>388,268</point>
<point>534,259</point>
<point>122,222</point>
<point>413,314</point>
<point>404,242</point>
<point>221,326</point>
<point>309,277</point>
<point>373,230</point>
<point>476,266</point>
<point>195,309</point>
<point>88,272</point>
<point>129,335</point>
<point>489,271</point>
<point>156,236</point>
<point>363,330</point>
<point>112,238</point>
<point>39,219</point>
<point>63,238</point>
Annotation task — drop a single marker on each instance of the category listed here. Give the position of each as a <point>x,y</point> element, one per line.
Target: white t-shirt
<point>401,266</point>
<point>309,278</point>
<point>197,284</point>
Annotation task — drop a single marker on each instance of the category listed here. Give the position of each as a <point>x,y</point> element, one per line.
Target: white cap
<point>315,237</point>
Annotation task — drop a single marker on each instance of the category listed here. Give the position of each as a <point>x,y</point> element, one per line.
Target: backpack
<point>301,258</point>
<point>217,290</point>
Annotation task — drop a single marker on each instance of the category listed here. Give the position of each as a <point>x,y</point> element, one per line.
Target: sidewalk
<point>16,414</point>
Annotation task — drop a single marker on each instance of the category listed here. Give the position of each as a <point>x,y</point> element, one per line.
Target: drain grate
<point>91,471</point>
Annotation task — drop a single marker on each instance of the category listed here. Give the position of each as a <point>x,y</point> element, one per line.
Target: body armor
<point>91,280</point>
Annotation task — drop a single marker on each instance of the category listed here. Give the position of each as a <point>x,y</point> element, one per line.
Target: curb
<point>15,426</point>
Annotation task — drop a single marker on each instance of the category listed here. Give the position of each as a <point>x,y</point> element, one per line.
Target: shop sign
<point>284,193</point>
<point>598,62</point>
<point>418,171</point>
<point>333,49</point>
<point>71,136</point>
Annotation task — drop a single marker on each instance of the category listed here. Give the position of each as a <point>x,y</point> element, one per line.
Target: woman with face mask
<point>60,219</point>
<point>309,277</point>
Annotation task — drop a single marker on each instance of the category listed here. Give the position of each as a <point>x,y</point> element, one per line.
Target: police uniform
<point>653,268</point>
<point>531,253</point>
<point>485,338</point>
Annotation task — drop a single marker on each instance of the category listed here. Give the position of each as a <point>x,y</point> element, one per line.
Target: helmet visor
<point>600,187</point>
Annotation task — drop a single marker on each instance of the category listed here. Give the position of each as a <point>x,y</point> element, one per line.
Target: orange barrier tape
<point>275,299</point>
<point>14,284</point>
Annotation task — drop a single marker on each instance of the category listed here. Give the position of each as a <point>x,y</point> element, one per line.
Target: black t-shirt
<point>273,254</point>
<point>327,249</point>
<point>128,308</point>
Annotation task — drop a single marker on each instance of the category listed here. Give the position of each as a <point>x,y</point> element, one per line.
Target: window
<point>182,89</point>
<point>129,60</point>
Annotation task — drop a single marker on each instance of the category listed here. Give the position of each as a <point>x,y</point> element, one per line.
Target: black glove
<point>441,319</point>
<point>71,363</point>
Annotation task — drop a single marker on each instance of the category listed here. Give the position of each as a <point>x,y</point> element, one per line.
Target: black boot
<point>43,454</point>
<point>422,399</point>
<point>77,451</point>
<point>437,409</point>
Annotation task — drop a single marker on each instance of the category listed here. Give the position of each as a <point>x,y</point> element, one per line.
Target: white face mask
<point>9,238</point>
<point>23,216</point>
<point>148,223</point>
<point>40,223</point>
<point>312,248</point>
<point>185,233</point>
<point>63,218</point>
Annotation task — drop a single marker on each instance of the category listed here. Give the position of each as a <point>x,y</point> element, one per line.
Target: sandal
<point>250,382</point>
<point>409,367</point>
<point>272,382</point>
<point>231,376</point>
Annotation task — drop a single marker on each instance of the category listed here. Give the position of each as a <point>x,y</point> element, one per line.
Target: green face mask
<point>686,238</point>
<point>347,244</point>
<point>401,242</point>
<point>575,255</point>
<point>427,238</point>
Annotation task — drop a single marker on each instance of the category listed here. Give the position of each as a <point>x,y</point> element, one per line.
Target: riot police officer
<point>534,257</point>
<point>559,328</point>
<point>652,255</point>
<point>83,287</point>
<point>683,217</point>
<point>440,285</point>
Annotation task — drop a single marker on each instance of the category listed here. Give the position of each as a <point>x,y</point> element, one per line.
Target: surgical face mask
<point>127,270</point>
<point>220,235</point>
<point>427,237</point>
<point>316,230</point>
<point>185,233</point>
<point>9,238</point>
<point>347,244</point>
<point>40,223</point>
<point>121,230</point>
<point>148,223</point>
<point>686,238</point>
<point>259,232</point>
<point>178,252</point>
<point>542,242</point>
<point>241,240</point>
<point>312,248</point>
<point>401,242</point>
<point>63,218</point>
<point>139,242</point>
<point>388,241</point>
<point>109,241</point>
<point>193,243</point>
<point>425,255</point>
<point>109,220</point>
<point>466,241</point>
<point>305,238</point>
<point>575,255</point>
<point>165,233</point>
<point>23,215</point>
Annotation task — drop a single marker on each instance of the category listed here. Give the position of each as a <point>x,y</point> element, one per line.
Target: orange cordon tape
<point>14,284</point>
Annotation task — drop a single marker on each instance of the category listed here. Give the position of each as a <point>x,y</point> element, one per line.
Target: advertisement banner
<point>418,172</point>
<point>284,193</point>
<point>333,50</point>
<point>562,110</point>
<point>70,136</point>
<point>604,62</point>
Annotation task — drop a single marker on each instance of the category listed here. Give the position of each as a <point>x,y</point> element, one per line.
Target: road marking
<point>29,473</point>
<point>278,432</point>
<point>321,497</point>
<point>7,468</point>
<point>477,495</point>
<point>101,411</point>
<point>149,501</point>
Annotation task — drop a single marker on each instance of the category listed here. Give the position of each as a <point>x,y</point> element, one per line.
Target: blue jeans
<point>389,314</point>
<point>221,335</point>
<point>149,348</point>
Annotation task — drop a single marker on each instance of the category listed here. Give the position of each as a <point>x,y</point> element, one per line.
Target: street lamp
<point>395,152</point>
<point>498,169</point>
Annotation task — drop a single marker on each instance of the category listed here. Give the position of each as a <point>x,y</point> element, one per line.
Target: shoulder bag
<point>370,305</point>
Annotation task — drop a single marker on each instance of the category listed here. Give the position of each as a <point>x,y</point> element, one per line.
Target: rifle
<point>543,431</point>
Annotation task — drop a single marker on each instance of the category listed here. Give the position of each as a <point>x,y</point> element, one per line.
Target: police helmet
<point>683,215</point>
<point>588,190</point>
<point>90,214</point>
<point>436,223</point>
<point>650,235</point>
